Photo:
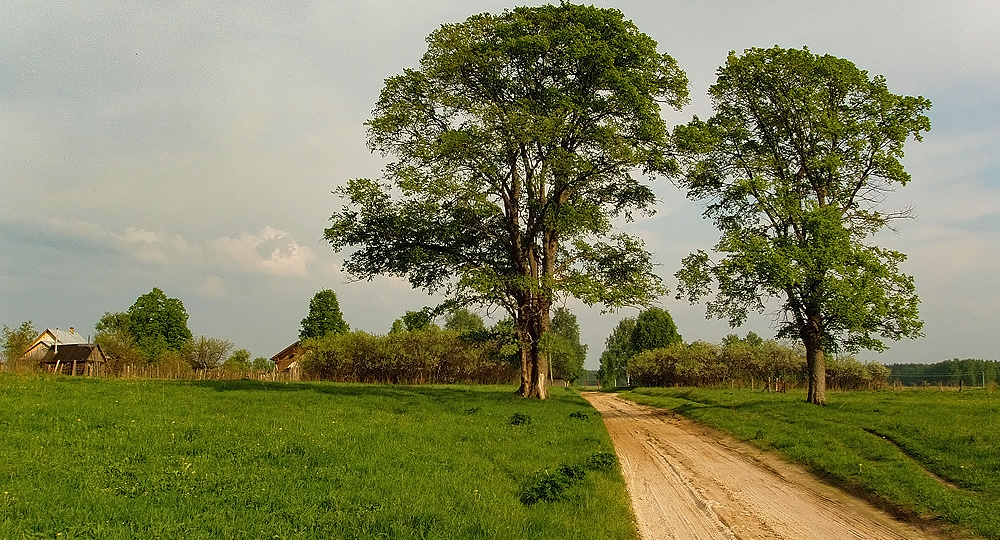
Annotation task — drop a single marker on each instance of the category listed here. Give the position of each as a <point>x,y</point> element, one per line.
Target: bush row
<point>743,364</point>
<point>429,355</point>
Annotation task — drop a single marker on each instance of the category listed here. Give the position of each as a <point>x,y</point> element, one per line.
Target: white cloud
<point>284,258</point>
<point>268,251</point>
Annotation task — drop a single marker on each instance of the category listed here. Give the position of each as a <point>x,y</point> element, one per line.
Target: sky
<point>194,146</point>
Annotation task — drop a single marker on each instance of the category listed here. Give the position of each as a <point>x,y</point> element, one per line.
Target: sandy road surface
<point>688,482</point>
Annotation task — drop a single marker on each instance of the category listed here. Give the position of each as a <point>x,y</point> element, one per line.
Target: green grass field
<point>87,458</point>
<point>924,454</point>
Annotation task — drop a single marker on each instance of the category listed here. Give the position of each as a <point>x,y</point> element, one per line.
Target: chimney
<point>70,329</point>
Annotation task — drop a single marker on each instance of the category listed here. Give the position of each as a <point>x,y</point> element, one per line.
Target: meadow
<point>97,458</point>
<point>929,456</point>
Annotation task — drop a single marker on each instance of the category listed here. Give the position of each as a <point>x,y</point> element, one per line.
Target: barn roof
<point>74,352</point>
<point>284,359</point>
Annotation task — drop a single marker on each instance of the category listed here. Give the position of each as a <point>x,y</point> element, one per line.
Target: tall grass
<point>924,454</point>
<point>247,459</point>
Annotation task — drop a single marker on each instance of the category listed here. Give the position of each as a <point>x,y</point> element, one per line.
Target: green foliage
<point>175,363</point>
<point>618,350</point>
<point>515,148</point>
<point>238,361</point>
<point>15,343</point>
<point>551,485</point>
<point>119,346</point>
<point>417,320</point>
<point>954,372</point>
<point>500,340</point>
<point>324,316</point>
<point>747,362</point>
<point>547,486</point>
<point>429,355</point>
<point>463,321</point>
<point>413,320</point>
<point>923,453</point>
<point>112,322</point>
<point>207,353</point>
<point>151,459</point>
<point>155,323</point>
<point>794,165</point>
<point>519,419</point>
<point>262,364</point>
<point>654,328</point>
<point>566,354</point>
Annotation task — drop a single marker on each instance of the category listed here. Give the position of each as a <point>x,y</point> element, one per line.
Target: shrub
<point>552,485</point>
<point>519,419</point>
<point>428,355</point>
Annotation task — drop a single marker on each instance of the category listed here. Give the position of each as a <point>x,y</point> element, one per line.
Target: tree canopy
<point>464,321</point>
<point>324,316</point>
<point>654,329</point>
<point>517,143</point>
<point>152,325</point>
<point>207,352</point>
<point>794,166</point>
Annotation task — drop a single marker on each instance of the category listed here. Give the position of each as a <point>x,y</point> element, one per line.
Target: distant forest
<point>955,372</point>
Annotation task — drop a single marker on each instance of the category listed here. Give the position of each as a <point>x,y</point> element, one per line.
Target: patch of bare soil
<point>689,482</point>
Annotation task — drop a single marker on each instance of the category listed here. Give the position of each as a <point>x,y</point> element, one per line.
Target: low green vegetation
<point>921,453</point>
<point>97,458</point>
<point>736,362</point>
<point>420,356</point>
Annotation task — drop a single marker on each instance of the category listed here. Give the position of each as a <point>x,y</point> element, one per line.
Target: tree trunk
<point>533,323</point>
<point>816,367</point>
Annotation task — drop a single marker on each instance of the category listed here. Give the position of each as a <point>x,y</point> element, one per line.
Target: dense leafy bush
<point>746,362</point>
<point>427,355</point>
<point>519,419</point>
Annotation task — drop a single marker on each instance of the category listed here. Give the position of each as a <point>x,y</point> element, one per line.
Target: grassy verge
<point>242,459</point>
<point>926,454</point>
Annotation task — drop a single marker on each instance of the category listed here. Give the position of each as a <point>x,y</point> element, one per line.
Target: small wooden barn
<point>287,361</point>
<point>76,359</point>
<point>60,351</point>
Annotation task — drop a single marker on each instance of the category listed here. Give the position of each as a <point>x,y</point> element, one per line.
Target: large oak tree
<point>518,142</point>
<point>794,166</point>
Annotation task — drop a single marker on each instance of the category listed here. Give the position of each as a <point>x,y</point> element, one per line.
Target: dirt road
<point>689,482</point>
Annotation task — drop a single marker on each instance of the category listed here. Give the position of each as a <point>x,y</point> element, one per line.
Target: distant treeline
<point>954,372</point>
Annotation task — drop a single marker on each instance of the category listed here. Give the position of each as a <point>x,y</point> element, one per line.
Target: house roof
<point>62,337</point>
<point>291,350</point>
<point>73,352</point>
<point>49,338</point>
<point>284,359</point>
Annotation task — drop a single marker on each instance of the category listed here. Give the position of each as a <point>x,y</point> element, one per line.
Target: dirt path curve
<point>689,482</point>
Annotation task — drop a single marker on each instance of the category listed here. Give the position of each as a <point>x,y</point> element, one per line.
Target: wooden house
<point>60,351</point>
<point>288,360</point>
<point>51,338</point>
